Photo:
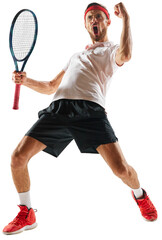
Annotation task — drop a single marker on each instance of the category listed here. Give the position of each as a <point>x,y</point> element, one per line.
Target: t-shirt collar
<point>97,44</point>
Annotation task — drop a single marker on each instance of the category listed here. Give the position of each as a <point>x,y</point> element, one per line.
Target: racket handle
<point>16,97</point>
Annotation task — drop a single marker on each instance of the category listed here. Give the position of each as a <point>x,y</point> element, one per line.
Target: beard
<point>99,37</point>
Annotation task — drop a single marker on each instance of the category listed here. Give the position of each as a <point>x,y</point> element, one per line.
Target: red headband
<point>97,7</point>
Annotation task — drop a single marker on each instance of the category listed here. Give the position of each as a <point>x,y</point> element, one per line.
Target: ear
<point>108,22</point>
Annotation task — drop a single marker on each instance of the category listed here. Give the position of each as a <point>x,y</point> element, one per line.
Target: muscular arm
<point>43,87</point>
<point>124,52</point>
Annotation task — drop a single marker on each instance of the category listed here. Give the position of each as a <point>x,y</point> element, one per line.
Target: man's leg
<point>25,219</point>
<point>26,149</point>
<point>114,157</point>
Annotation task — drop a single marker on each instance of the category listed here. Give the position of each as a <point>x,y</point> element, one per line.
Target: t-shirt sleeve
<point>115,66</point>
<point>66,66</point>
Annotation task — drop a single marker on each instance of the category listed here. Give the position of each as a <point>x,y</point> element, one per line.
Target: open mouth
<point>95,30</point>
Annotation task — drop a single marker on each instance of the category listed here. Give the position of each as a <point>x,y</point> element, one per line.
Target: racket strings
<point>23,35</point>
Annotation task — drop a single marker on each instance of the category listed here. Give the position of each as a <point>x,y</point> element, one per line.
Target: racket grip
<point>16,97</point>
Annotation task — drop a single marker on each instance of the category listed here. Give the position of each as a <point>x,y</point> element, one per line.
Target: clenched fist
<point>120,11</point>
<point>19,77</point>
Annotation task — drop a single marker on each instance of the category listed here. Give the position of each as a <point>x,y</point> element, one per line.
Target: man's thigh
<point>113,155</point>
<point>28,147</point>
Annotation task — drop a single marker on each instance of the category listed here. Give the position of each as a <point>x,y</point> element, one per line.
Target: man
<point>78,113</point>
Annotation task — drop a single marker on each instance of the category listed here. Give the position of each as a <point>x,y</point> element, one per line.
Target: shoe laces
<point>20,218</point>
<point>147,205</point>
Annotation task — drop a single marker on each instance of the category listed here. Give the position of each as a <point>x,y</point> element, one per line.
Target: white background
<point>77,195</point>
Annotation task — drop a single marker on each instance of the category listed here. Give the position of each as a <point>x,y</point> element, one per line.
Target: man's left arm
<point>124,52</point>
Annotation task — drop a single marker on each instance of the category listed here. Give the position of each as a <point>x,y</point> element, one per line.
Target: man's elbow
<point>51,88</point>
<point>126,57</point>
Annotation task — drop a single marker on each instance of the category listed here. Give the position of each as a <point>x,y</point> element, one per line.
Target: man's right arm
<point>43,87</point>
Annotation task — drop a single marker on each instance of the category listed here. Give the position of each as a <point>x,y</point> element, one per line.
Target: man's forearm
<point>39,86</point>
<point>124,52</point>
<point>125,49</point>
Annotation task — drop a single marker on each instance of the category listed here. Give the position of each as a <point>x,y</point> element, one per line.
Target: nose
<point>94,20</point>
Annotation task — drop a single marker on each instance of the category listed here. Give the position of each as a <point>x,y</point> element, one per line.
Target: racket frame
<point>25,59</point>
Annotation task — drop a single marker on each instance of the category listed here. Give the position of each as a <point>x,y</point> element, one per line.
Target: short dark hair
<point>94,3</point>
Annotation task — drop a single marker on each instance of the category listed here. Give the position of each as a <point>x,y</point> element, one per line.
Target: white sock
<point>25,199</point>
<point>138,192</point>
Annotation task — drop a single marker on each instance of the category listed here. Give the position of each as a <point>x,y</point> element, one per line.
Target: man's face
<point>96,24</point>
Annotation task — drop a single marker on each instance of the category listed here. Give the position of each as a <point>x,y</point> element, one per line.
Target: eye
<point>98,16</point>
<point>89,17</point>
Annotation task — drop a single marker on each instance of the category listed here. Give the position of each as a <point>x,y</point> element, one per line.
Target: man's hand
<point>120,11</point>
<point>19,77</point>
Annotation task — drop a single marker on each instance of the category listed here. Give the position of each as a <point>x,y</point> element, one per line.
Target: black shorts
<point>64,120</point>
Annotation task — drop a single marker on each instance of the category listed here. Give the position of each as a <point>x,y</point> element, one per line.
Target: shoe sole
<point>28,227</point>
<point>149,220</point>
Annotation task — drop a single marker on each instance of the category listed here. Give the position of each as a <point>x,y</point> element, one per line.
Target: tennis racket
<point>22,39</point>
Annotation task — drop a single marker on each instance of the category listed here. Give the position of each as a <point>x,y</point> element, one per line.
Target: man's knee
<point>18,160</point>
<point>123,171</point>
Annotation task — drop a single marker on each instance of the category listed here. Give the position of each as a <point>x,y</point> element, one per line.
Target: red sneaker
<point>25,220</point>
<point>147,208</point>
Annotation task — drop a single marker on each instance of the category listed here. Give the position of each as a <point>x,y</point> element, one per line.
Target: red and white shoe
<point>147,208</point>
<point>25,220</point>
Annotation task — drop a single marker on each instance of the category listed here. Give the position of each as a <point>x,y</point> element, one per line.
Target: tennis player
<point>78,112</point>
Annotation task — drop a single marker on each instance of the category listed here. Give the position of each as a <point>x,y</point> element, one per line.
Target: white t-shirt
<point>88,74</point>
